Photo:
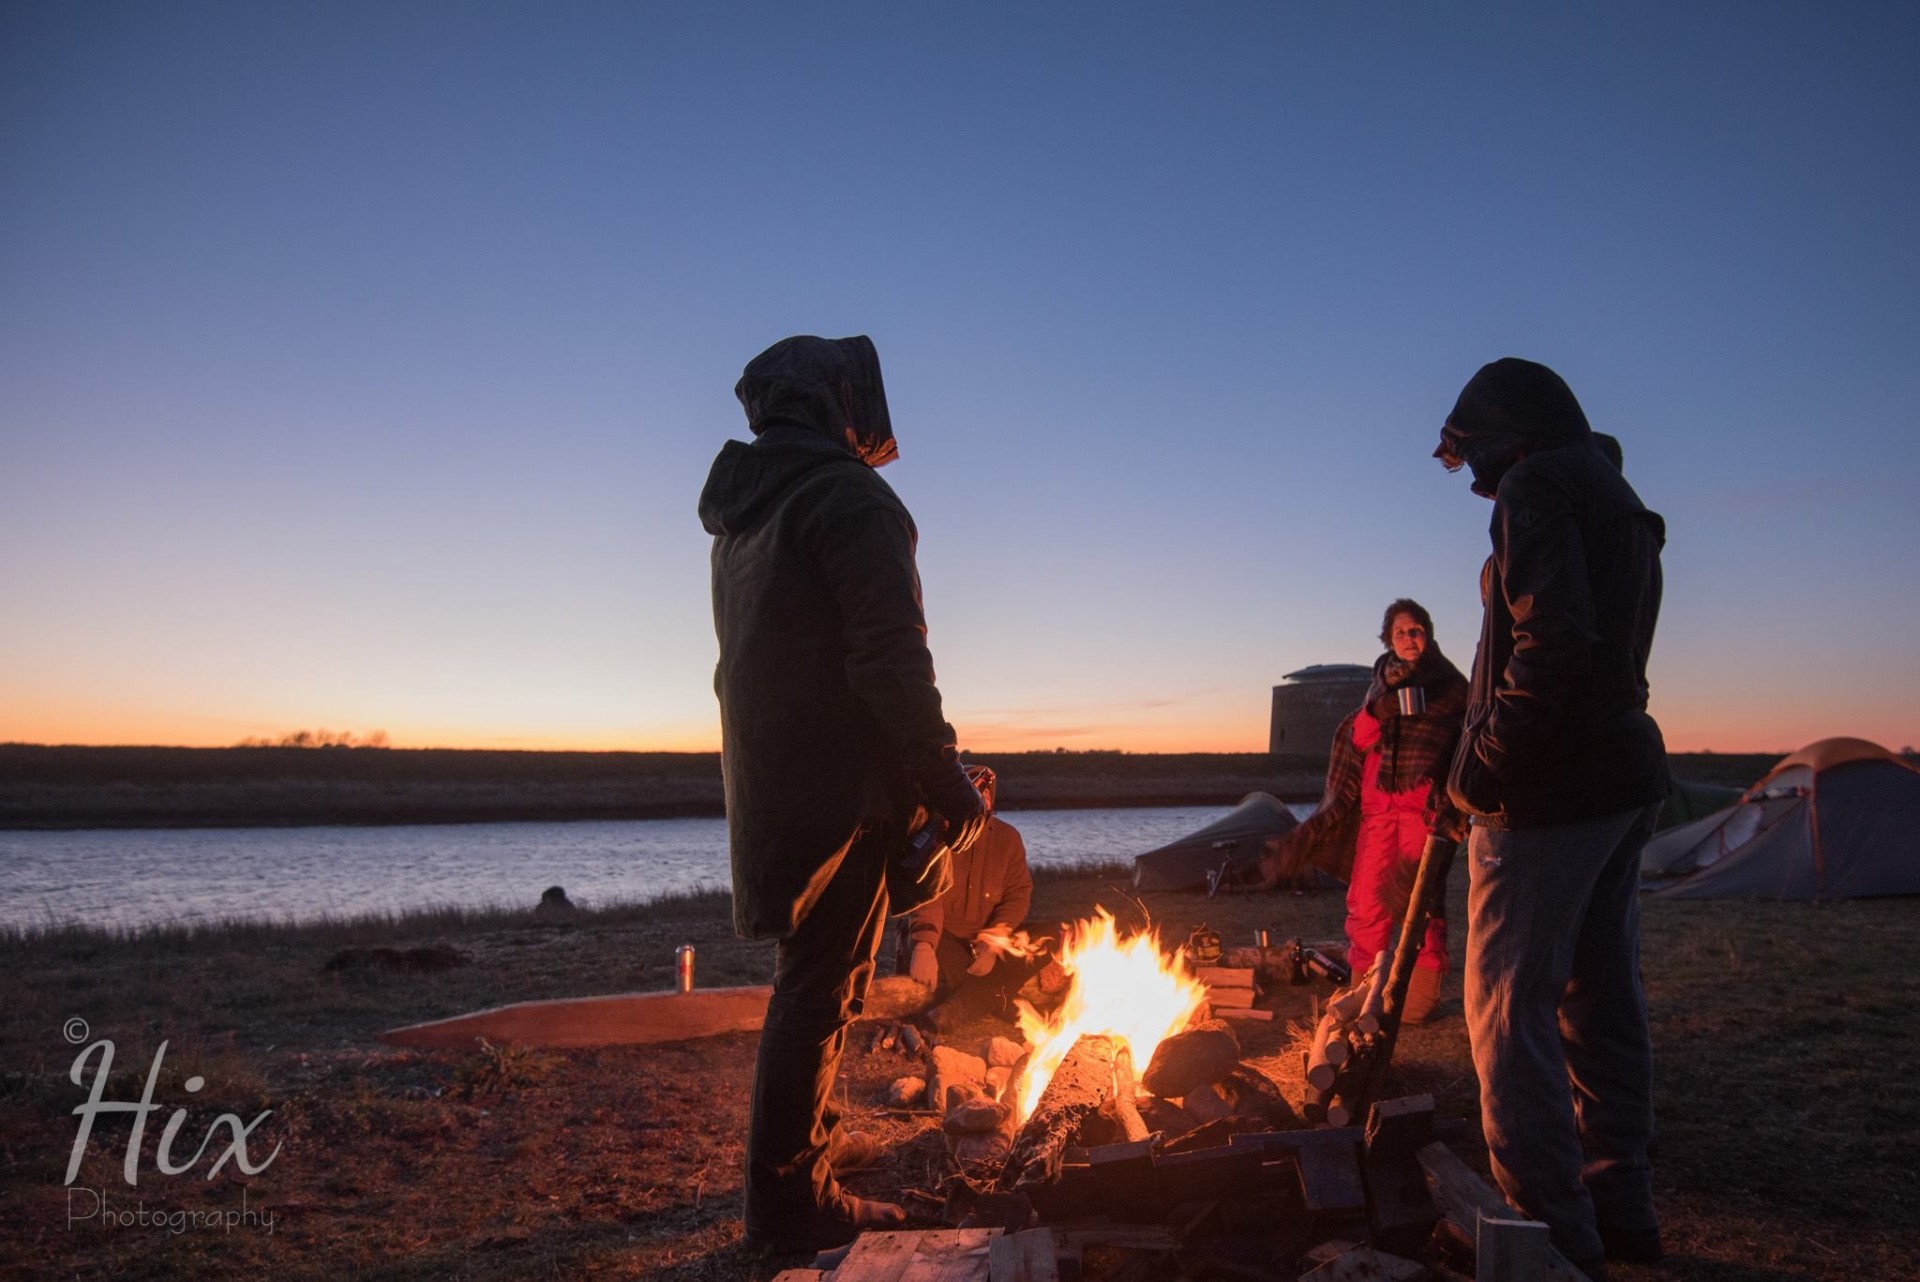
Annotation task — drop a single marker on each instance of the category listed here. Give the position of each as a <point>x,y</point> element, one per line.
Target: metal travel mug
<point>683,967</point>
<point>1413,699</point>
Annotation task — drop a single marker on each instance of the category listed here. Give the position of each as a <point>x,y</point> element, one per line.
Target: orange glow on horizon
<point>1746,731</point>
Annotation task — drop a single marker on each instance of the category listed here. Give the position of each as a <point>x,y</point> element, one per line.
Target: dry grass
<point>1783,1033</point>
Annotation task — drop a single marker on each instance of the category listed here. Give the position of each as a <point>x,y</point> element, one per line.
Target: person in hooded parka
<point>1564,774</point>
<point>832,740</point>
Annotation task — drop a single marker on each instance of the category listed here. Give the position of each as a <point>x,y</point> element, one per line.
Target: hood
<point>1510,407</point>
<point>828,386</point>
<point>746,478</point>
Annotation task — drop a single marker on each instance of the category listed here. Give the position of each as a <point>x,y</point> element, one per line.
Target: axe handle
<point>1428,900</point>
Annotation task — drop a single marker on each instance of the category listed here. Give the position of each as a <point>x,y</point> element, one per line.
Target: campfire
<point>1125,1120</point>
<point>1121,987</point>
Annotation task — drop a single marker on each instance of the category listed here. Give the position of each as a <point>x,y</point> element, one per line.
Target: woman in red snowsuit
<point>1386,790</point>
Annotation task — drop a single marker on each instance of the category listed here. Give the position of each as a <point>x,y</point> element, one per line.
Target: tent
<point>1235,840</point>
<point>1839,819</point>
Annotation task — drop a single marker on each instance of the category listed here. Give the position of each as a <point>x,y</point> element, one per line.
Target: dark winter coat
<point>1557,727</point>
<point>825,682</point>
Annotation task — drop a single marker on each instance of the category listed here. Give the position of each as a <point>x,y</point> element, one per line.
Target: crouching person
<point>959,944</point>
<point>832,736</point>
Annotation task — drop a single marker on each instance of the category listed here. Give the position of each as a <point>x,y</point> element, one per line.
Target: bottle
<point>683,968</point>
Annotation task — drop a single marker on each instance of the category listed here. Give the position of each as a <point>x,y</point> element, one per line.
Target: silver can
<point>683,968</point>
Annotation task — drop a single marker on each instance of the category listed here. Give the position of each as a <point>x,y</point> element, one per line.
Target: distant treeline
<point>74,787</point>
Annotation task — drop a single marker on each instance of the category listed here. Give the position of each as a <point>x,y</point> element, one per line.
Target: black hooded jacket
<point>826,686</point>
<point>1557,728</point>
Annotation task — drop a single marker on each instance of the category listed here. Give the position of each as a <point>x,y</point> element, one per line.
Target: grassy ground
<point>1784,1035</point>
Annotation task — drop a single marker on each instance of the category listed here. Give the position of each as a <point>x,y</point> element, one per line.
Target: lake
<point>150,876</point>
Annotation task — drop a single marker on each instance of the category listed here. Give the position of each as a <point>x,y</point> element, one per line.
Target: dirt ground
<point>1783,1039</point>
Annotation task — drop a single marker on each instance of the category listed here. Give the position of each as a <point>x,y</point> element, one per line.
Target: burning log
<point>1084,1082</point>
<point>1126,1108</point>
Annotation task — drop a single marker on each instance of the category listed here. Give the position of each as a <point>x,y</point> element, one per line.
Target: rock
<point>978,1149</point>
<point>1206,1103</point>
<point>1167,1118</point>
<point>907,1092</point>
<point>999,1081</point>
<point>895,997</point>
<point>976,1114</point>
<point>948,1069</point>
<point>1004,1052</point>
<point>553,903</point>
<point>1253,1094</point>
<point>1199,1056</point>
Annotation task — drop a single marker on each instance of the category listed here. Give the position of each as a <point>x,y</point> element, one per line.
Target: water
<point>143,877</point>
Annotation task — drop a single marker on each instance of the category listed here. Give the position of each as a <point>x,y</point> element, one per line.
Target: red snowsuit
<point>1393,832</point>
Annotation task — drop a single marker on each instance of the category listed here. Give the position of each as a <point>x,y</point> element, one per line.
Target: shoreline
<point>80,788</point>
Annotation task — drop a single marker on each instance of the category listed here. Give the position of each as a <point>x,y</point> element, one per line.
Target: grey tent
<point>1235,840</point>
<point>1839,819</point>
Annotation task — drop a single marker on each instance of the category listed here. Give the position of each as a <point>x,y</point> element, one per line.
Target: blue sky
<point>360,364</point>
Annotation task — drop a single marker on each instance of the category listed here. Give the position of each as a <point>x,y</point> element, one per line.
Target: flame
<point>1119,986</point>
<point>1016,944</point>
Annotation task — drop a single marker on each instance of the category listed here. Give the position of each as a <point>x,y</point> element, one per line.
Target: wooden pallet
<point>941,1255</point>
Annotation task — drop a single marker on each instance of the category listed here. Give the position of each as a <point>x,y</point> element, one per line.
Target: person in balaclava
<point>833,745</point>
<point>1563,774</point>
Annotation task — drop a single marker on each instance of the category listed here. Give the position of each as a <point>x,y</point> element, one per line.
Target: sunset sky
<point>361,363</point>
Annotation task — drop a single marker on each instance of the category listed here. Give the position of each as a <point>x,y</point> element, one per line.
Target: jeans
<point>820,977</point>
<point>1558,1023</point>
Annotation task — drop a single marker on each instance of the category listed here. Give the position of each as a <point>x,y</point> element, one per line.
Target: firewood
<point>1330,1179</point>
<point>1126,1108</point>
<point>1364,1264</point>
<point>1225,999</point>
<point>1400,1127</point>
<point>1510,1250</point>
<point>1232,1015</point>
<point>1023,1257</point>
<point>1083,1082</point>
<point>1226,976</point>
<point>1463,1196</point>
<point>929,1254</point>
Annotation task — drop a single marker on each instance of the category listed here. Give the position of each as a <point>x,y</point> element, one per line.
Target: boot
<point>1423,994</point>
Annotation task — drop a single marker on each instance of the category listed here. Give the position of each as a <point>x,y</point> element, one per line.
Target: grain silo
<point>1309,705</point>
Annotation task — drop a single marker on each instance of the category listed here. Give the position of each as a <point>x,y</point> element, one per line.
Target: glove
<point>922,967</point>
<point>983,958</point>
<point>952,796</point>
